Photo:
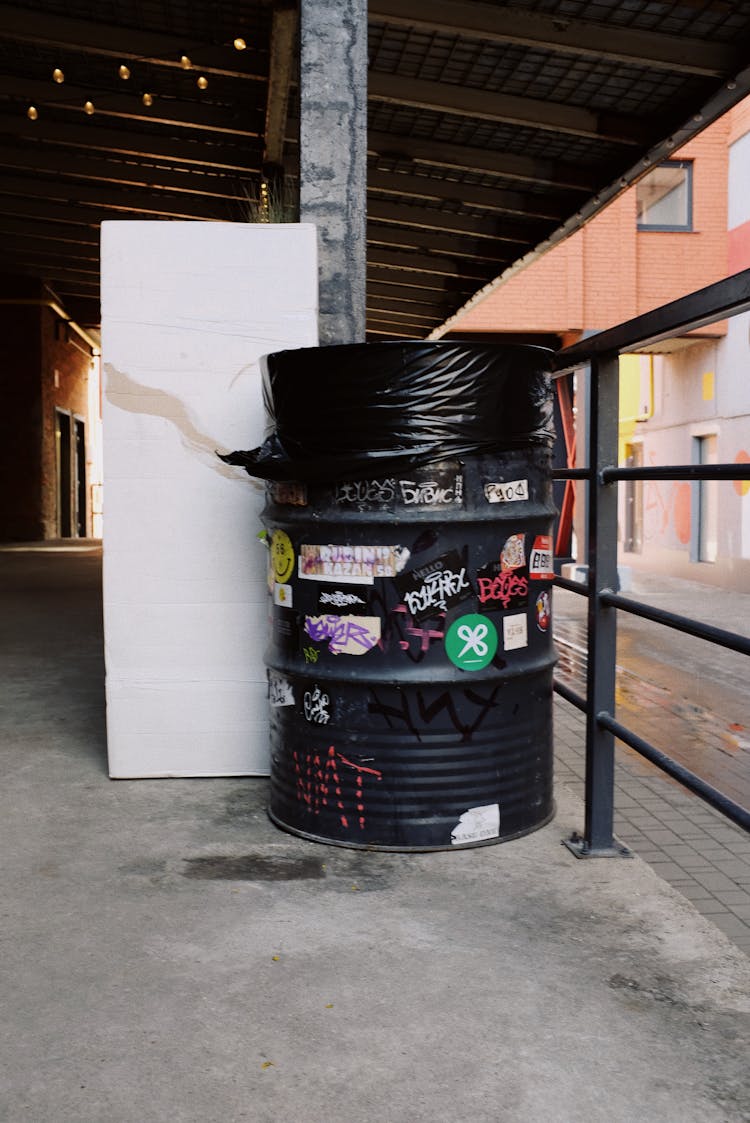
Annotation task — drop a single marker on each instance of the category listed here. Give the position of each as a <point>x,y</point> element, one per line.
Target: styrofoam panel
<point>186,259</point>
<point>199,513</point>
<point>149,707</point>
<point>132,755</point>
<point>228,567</point>
<point>208,635</point>
<point>187,311</point>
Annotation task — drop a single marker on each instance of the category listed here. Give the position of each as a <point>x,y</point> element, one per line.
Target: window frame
<point>658,227</point>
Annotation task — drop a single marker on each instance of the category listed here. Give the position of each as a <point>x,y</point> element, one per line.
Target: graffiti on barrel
<point>346,635</point>
<point>416,710</point>
<point>319,782</point>
<point>434,587</point>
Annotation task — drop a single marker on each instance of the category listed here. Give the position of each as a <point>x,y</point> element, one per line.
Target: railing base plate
<point>581,848</point>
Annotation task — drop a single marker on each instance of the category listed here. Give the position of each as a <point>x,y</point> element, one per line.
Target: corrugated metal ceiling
<point>494,130</point>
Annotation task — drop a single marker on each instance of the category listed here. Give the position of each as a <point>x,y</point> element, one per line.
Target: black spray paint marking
<point>396,706</point>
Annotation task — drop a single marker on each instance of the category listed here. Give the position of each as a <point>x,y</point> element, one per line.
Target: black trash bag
<point>361,410</point>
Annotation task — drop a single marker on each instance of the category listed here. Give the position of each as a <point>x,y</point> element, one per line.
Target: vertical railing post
<point>598,840</point>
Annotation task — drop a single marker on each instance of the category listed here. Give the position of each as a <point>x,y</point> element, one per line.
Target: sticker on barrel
<point>471,642</point>
<point>478,824</point>
<point>540,559</point>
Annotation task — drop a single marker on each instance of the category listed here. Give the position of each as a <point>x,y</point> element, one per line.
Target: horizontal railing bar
<point>569,695</point>
<point>579,587</point>
<point>724,298</point>
<point>739,815</point>
<point>679,472</point>
<point>719,636</point>
<point>571,474</point>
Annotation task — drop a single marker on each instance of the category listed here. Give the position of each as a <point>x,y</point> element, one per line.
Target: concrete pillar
<point>333,157</point>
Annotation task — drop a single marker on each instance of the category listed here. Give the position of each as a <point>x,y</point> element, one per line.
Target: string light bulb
<point>202,83</point>
<point>185,62</point>
<point>32,113</point>
<point>148,99</point>
<point>124,72</point>
<point>240,44</point>
<point>88,108</point>
<point>57,75</point>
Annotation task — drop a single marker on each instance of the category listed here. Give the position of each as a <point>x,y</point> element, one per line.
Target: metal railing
<point>601,353</point>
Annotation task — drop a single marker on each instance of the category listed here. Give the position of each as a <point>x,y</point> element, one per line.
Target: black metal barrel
<point>410,658</point>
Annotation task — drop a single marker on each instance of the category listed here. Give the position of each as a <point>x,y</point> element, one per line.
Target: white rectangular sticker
<point>477,824</point>
<point>282,595</point>
<point>280,691</point>
<point>514,631</point>
<point>351,565</point>
<point>510,492</point>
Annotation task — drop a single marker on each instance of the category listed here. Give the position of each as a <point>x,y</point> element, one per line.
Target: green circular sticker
<point>471,642</point>
<point>282,556</point>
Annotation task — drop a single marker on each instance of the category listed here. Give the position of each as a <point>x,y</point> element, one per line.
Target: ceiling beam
<point>464,101</point>
<point>48,231</point>
<point>423,308</point>
<point>37,158</point>
<point>391,296</point>
<point>393,334</point>
<point>82,309</point>
<point>125,43</point>
<point>165,111</point>
<point>429,218</point>
<point>456,245</point>
<point>41,210</point>
<point>127,200</point>
<point>38,246</point>
<point>394,316</point>
<point>78,274</point>
<point>428,263</point>
<point>526,169</point>
<point>560,33</point>
<point>281,72</point>
<point>450,287</point>
<point>489,198</point>
<point>133,143</point>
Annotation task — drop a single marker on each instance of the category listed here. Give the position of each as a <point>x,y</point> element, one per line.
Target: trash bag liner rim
<point>351,411</point>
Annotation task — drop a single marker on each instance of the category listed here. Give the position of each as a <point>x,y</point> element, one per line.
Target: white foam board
<point>188,309</point>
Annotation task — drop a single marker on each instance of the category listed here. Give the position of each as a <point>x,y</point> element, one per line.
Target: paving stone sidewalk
<point>693,847</point>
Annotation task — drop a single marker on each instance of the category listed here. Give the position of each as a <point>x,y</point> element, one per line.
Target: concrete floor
<point>287,981</point>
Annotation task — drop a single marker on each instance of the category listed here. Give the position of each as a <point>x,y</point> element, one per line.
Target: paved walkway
<point>695,849</point>
<point>691,700</point>
<point>169,955</point>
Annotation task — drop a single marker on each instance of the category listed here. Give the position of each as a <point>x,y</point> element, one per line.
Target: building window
<point>705,505</point>
<point>664,197</point>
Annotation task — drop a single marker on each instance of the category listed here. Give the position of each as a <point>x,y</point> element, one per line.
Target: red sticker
<point>540,560</point>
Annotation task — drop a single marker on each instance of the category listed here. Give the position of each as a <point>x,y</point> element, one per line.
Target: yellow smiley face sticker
<point>282,556</point>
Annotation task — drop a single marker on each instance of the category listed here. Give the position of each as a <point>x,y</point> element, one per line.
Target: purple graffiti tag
<point>349,635</point>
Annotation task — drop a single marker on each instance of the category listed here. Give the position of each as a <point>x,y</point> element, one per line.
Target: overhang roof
<point>494,130</point>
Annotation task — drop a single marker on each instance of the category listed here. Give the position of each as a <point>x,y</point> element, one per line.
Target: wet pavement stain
<point>253,867</point>
<point>713,745</point>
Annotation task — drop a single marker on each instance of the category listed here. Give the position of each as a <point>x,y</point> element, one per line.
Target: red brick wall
<point>62,358</point>
<point>609,271</point>
<point>34,347</point>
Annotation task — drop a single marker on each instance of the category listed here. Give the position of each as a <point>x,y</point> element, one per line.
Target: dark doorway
<point>64,475</point>
<point>70,441</point>
<point>80,476</point>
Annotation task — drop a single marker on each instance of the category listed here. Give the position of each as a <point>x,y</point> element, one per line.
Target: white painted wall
<point>188,308</point>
